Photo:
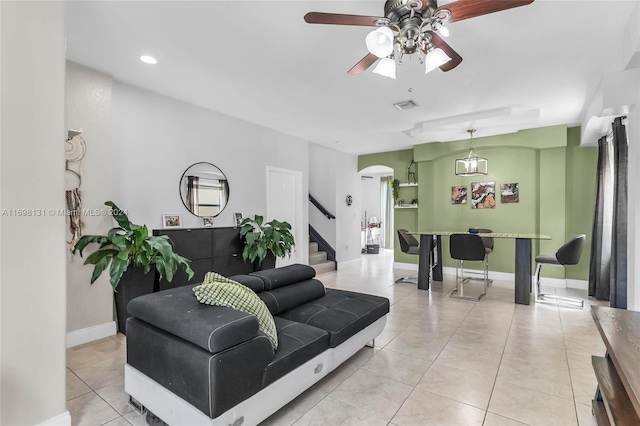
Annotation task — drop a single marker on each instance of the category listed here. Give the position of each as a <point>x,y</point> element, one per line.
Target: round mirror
<point>204,190</point>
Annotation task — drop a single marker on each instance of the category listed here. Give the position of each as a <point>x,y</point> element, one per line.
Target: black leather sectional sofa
<point>190,363</point>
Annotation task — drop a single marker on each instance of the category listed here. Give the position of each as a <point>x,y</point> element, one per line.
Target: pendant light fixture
<point>472,164</point>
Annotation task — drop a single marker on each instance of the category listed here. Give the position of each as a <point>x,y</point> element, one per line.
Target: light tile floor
<point>439,361</point>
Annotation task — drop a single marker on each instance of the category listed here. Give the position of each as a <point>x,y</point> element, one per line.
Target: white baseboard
<point>63,419</point>
<point>506,276</point>
<point>349,262</point>
<point>86,335</point>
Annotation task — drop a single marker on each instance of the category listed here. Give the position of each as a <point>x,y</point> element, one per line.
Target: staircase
<point>318,260</point>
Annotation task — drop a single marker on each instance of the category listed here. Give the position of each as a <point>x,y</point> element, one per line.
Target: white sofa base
<point>176,411</point>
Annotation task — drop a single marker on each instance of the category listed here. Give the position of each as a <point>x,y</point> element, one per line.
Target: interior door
<point>284,203</point>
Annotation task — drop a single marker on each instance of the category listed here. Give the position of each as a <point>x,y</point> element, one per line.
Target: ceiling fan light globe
<point>380,42</point>
<point>443,31</point>
<point>386,67</point>
<point>434,59</point>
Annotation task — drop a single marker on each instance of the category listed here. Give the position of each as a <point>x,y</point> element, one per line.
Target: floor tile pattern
<point>439,361</point>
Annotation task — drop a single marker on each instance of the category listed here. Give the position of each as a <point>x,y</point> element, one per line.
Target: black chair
<point>487,241</point>
<point>488,247</point>
<point>409,245</point>
<point>568,254</point>
<point>468,247</point>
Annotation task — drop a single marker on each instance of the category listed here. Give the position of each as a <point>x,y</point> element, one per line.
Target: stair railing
<point>320,207</point>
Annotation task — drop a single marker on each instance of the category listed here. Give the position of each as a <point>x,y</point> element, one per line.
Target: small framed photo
<point>207,221</point>
<point>171,221</point>
<point>238,218</point>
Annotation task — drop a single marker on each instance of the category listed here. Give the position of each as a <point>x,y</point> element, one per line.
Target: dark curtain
<point>619,244</point>
<point>608,262</point>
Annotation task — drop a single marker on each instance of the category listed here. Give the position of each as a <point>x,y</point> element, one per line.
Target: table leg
<point>523,271</point>
<point>424,261</point>
<point>437,268</point>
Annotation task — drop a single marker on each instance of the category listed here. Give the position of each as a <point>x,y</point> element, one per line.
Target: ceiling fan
<point>412,26</point>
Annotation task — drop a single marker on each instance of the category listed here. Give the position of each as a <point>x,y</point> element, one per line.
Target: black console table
<point>209,249</point>
<point>617,400</point>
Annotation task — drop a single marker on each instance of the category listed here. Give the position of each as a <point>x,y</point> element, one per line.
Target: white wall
<point>348,246</point>
<point>88,108</point>
<point>322,185</point>
<point>32,259</point>
<point>332,176</point>
<point>632,49</point>
<point>633,241</point>
<point>157,138</point>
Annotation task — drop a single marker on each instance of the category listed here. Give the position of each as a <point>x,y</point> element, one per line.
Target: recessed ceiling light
<point>148,60</point>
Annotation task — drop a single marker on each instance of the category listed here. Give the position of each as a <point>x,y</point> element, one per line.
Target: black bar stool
<point>469,247</point>
<point>568,254</point>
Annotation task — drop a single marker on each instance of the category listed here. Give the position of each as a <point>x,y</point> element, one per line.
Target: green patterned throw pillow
<point>221,291</point>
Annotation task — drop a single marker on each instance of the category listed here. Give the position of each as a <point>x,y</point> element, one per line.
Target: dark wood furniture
<point>617,399</point>
<point>209,249</point>
<point>522,260</point>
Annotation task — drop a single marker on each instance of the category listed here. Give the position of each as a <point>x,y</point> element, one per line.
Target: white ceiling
<point>527,67</point>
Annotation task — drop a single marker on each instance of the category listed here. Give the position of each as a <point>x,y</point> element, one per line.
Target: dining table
<point>433,239</point>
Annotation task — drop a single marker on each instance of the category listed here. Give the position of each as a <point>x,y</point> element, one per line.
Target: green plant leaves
<point>274,236</point>
<point>130,245</point>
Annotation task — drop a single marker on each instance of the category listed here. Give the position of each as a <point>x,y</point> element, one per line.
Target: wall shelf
<point>403,185</point>
<point>406,206</point>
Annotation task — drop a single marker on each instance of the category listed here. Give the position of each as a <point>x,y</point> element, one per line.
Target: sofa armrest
<point>178,312</point>
<point>213,383</point>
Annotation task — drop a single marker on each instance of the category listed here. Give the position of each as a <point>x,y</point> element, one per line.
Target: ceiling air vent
<point>401,106</point>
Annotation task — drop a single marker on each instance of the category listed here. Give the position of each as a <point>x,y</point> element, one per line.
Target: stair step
<point>317,258</point>
<point>324,267</point>
<point>313,248</point>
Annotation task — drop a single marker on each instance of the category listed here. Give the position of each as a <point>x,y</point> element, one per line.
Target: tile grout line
<point>495,380</point>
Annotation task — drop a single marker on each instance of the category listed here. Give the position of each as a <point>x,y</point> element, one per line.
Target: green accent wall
<point>556,179</point>
<point>581,197</point>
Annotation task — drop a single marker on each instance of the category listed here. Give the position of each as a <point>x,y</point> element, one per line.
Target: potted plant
<point>395,190</point>
<point>129,252</point>
<point>265,241</point>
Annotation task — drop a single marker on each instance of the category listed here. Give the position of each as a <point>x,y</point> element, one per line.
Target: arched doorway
<point>377,207</point>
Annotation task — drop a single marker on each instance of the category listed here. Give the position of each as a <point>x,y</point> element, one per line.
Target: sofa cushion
<point>341,313</point>
<point>221,291</point>
<point>284,298</point>
<point>177,311</point>
<point>280,277</point>
<point>254,283</point>
<point>298,344</point>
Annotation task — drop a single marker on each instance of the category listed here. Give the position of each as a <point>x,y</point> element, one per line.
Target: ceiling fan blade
<point>364,63</point>
<point>465,9</point>
<point>340,19</point>
<point>455,58</point>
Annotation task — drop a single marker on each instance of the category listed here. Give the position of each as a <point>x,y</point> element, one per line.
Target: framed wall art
<point>483,195</point>
<point>509,193</point>
<point>458,195</point>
